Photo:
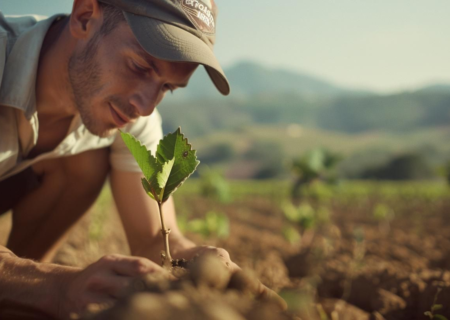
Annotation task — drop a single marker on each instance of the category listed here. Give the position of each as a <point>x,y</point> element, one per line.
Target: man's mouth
<point>119,119</point>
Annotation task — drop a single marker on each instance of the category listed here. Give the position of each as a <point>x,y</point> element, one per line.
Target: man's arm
<point>140,218</point>
<point>60,290</point>
<point>31,284</point>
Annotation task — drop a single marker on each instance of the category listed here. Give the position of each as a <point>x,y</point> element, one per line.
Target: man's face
<point>114,81</point>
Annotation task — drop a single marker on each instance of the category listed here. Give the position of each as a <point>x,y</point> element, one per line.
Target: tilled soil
<point>353,267</point>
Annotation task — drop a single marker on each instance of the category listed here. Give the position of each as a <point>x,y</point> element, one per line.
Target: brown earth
<point>353,267</point>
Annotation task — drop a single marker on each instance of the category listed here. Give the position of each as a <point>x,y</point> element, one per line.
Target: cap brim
<point>168,42</point>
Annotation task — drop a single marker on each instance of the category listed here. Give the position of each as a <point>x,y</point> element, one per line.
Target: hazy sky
<point>384,45</point>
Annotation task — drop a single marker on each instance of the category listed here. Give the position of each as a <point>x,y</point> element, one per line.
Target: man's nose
<point>145,101</point>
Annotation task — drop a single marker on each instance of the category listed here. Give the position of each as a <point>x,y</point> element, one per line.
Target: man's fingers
<point>222,254</point>
<point>233,267</point>
<point>241,280</point>
<point>129,266</point>
<point>98,301</point>
<point>112,285</point>
<point>267,294</point>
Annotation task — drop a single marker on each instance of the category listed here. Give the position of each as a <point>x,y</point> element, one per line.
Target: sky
<point>380,45</point>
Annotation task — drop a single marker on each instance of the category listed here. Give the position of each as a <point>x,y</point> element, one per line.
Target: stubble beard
<point>84,79</point>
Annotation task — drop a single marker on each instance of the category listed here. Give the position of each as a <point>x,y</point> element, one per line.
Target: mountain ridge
<point>248,78</point>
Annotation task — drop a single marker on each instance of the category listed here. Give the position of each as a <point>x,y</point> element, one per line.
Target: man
<point>67,84</point>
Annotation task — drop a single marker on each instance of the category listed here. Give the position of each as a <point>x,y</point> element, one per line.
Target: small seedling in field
<point>214,224</point>
<point>435,307</point>
<point>306,216</point>
<point>213,185</point>
<point>312,167</point>
<point>172,164</point>
<point>292,235</point>
<point>383,214</point>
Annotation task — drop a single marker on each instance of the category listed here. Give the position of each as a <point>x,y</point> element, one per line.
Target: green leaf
<point>152,193</point>
<point>175,161</point>
<point>163,176</point>
<point>436,307</point>
<point>439,317</point>
<point>316,160</point>
<point>291,212</point>
<point>176,146</point>
<point>292,235</point>
<point>143,157</point>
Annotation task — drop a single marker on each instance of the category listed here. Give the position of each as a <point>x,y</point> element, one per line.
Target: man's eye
<point>139,68</point>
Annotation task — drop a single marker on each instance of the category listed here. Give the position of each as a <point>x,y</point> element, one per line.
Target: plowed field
<point>354,266</point>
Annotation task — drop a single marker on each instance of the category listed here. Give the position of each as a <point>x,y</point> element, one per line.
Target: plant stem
<point>165,233</point>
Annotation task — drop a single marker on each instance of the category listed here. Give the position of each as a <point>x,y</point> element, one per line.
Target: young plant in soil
<point>163,173</point>
<point>435,307</point>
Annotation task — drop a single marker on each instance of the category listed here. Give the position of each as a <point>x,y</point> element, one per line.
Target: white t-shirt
<point>21,40</point>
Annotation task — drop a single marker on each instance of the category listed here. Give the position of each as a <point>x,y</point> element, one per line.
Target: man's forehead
<point>134,44</point>
<point>152,61</point>
<point>137,48</point>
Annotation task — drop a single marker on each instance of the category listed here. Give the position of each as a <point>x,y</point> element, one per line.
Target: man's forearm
<point>31,284</point>
<point>151,247</point>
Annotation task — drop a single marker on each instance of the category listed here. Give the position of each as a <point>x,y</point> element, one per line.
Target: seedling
<point>383,214</point>
<point>312,167</point>
<point>164,173</point>
<point>213,185</point>
<point>306,216</point>
<point>435,307</point>
<point>214,223</point>
<point>292,235</point>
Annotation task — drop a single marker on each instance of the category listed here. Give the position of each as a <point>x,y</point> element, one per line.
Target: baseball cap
<point>176,30</point>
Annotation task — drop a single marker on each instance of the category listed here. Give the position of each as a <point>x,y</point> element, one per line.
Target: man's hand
<point>143,229</point>
<point>102,282</point>
<point>187,251</point>
<point>197,251</point>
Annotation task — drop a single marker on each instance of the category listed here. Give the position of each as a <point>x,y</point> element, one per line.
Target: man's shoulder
<point>16,24</point>
<point>12,26</point>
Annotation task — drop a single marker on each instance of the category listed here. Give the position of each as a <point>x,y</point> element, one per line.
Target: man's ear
<point>86,18</point>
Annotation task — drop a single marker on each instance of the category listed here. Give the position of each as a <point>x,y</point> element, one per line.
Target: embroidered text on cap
<point>199,12</point>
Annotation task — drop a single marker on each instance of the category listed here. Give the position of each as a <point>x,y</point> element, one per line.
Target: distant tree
<point>410,166</point>
<point>269,157</point>
<point>218,152</point>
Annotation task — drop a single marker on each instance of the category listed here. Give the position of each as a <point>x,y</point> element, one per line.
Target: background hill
<point>249,78</point>
<point>436,88</point>
<point>289,113</point>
